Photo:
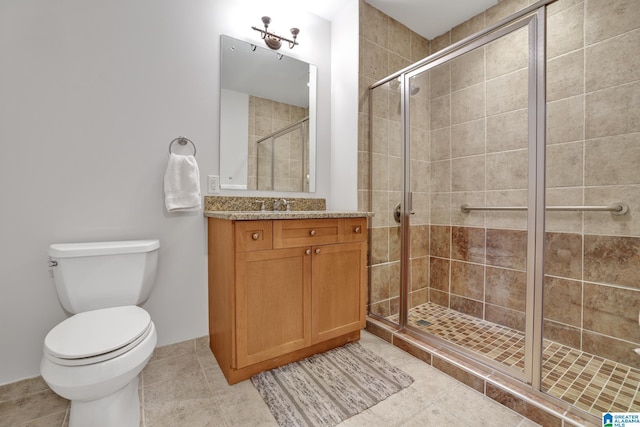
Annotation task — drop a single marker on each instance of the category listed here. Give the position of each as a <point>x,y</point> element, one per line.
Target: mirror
<point>267,119</point>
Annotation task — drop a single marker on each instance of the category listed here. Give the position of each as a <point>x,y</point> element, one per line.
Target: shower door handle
<point>397,212</point>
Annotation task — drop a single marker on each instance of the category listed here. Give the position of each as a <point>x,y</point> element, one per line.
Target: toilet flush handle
<point>52,263</point>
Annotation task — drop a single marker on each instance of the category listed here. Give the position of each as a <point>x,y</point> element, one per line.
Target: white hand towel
<point>182,184</point>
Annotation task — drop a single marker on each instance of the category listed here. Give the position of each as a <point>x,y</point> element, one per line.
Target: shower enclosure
<point>282,159</point>
<point>505,179</point>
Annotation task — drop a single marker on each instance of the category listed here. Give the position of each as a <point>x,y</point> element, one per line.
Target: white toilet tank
<point>95,275</point>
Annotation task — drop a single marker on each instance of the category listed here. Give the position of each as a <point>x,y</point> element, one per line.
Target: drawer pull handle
<point>308,252</point>
<point>312,232</point>
<point>356,229</point>
<point>255,236</point>
<point>317,251</point>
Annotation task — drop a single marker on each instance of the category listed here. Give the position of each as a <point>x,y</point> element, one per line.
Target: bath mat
<point>328,388</point>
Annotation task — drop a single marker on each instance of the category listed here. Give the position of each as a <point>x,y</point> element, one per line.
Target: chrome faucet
<point>279,203</point>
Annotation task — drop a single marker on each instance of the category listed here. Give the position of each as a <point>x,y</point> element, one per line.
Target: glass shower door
<point>282,160</point>
<point>469,229</point>
<point>386,177</point>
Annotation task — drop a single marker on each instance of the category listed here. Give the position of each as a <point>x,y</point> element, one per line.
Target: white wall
<point>234,131</point>
<point>344,109</point>
<point>91,94</point>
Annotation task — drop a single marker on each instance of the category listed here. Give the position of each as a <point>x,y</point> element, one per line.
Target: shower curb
<point>509,392</point>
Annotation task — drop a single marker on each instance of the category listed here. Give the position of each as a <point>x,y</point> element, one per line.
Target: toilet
<point>94,357</point>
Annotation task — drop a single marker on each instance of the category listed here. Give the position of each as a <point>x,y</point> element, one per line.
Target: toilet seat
<point>98,335</point>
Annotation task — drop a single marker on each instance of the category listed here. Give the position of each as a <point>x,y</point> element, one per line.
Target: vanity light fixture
<point>274,41</point>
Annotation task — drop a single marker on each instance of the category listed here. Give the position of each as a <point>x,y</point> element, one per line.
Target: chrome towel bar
<point>617,208</point>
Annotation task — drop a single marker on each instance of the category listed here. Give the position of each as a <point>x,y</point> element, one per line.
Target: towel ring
<point>183,141</point>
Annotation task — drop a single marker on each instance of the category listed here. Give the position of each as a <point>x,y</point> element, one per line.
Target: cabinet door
<point>272,303</point>
<point>338,290</point>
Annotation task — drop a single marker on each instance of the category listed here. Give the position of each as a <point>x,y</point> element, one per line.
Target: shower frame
<point>303,126</point>
<point>533,17</point>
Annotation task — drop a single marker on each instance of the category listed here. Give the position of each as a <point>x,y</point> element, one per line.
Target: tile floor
<point>183,386</point>
<point>589,382</point>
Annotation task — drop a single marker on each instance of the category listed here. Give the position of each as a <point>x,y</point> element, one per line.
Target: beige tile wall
<point>593,136</point>
<point>265,117</point>
<point>468,143</point>
<point>385,46</point>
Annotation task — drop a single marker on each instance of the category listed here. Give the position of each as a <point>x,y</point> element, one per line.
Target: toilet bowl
<point>94,357</point>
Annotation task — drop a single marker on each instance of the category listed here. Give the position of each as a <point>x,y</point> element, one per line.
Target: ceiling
<point>429,18</point>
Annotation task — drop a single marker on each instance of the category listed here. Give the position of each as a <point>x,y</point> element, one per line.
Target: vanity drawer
<point>355,229</point>
<point>253,235</point>
<point>307,232</point>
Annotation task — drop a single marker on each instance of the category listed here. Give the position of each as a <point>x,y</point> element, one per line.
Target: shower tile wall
<point>592,288</point>
<point>386,46</point>
<point>476,262</point>
<point>265,117</point>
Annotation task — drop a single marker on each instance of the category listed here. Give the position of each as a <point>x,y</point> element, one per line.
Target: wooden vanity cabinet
<point>273,289</point>
<point>281,290</point>
<point>338,277</point>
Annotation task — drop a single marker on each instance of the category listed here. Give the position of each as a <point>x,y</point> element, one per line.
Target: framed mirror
<point>267,119</point>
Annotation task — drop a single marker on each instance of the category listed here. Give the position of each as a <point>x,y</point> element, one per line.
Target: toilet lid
<point>96,332</point>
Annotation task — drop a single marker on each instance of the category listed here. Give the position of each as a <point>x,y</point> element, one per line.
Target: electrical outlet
<point>213,184</point>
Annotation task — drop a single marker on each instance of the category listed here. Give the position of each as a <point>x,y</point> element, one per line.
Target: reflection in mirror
<point>267,119</point>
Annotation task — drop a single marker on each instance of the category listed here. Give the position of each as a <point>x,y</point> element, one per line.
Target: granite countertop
<point>257,215</point>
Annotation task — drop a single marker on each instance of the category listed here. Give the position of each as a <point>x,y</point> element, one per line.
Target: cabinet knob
<point>317,251</point>
<point>308,252</point>
<point>255,236</point>
<point>356,229</point>
<point>312,232</point>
